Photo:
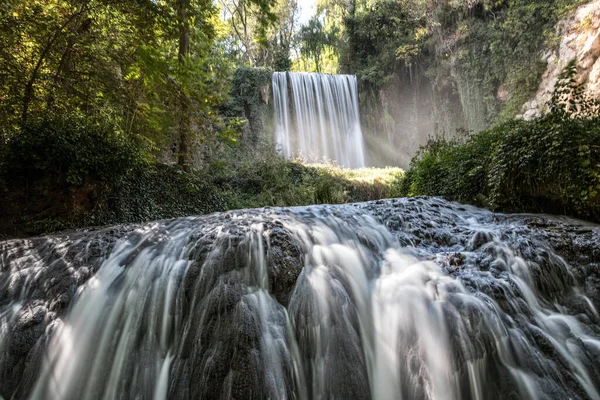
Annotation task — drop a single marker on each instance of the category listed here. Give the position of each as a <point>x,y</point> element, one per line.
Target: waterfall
<point>395,299</point>
<point>317,118</point>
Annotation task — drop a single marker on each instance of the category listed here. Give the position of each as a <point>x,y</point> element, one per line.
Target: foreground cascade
<point>397,299</point>
<point>317,117</point>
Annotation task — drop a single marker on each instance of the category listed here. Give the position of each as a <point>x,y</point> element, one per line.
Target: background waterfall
<point>317,117</point>
<point>397,299</point>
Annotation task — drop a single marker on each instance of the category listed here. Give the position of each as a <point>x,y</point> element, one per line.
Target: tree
<point>313,40</point>
<point>71,19</point>
<point>263,39</point>
<point>156,70</point>
<point>69,56</point>
<point>183,9</point>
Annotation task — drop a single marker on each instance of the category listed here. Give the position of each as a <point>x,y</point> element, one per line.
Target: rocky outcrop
<point>284,303</point>
<point>579,36</point>
<point>49,270</point>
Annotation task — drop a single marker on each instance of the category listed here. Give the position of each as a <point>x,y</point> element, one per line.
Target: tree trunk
<point>28,94</point>
<point>64,66</point>
<point>184,106</point>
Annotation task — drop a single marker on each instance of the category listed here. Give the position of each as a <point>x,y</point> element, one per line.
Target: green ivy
<point>246,102</point>
<point>550,164</point>
<point>68,151</point>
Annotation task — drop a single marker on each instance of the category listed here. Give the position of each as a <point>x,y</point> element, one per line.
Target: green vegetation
<point>483,54</point>
<point>125,64</point>
<point>550,164</point>
<point>63,173</point>
<point>273,181</point>
<point>114,112</point>
<point>315,41</point>
<point>66,151</point>
<point>128,111</point>
<point>247,104</point>
<point>547,165</point>
<point>157,72</point>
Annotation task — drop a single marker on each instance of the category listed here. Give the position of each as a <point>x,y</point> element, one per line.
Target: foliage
<point>155,191</point>
<point>149,191</point>
<point>119,62</point>
<point>382,39</point>
<point>492,45</point>
<point>569,100</point>
<point>68,151</point>
<point>314,40</point>
<point>545,165</point>
<point>248,101</point>
<point>261,37</point>
<point>453,170</point>
<point>262,178</point>
<point>472,49</point>
<point>551,164</point>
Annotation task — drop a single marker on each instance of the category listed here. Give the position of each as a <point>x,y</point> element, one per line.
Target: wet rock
<point>261,287</point>
<point>285,262</point>
<point>479,239</point>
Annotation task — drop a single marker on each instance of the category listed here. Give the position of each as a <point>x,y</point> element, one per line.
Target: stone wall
<point>579,36</point>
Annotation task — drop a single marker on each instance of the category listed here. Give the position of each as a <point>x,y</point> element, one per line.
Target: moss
<point>249,88</point>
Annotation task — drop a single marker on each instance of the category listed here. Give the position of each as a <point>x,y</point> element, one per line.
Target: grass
<point>273,181</point>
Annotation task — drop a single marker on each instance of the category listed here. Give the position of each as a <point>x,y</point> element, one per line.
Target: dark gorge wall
<point>442,99</point>
<point>404,113</point>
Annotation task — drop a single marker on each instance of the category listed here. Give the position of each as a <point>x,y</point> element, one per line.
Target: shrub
<point>547,165</point>
<point>552,164</point>
<point>66,150</point>
<point>266,179</point>
<point>146,192</point>
<point>451,169</point>
<point>156,191</point>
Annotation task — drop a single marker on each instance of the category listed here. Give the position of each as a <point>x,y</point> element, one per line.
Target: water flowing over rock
<point>316,117</point>
<point>398,299</point>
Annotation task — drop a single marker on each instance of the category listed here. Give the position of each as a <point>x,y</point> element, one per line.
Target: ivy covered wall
<point>250,103</point>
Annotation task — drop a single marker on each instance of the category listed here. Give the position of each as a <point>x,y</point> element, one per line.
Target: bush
<point>547,165</point>
<point>66,151</point>
<point>451,169</point>
<point>64,172</point>
<point>266,179</point>
<point>146,192</point>
<point>155,191</point>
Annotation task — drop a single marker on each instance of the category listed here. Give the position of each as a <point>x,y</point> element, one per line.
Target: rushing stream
<point>396,299</point>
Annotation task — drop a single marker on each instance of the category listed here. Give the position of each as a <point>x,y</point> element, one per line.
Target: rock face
<point>409,298</point>
<point>580,40</point>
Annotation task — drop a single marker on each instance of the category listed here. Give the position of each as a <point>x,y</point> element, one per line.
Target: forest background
<point>127,111</point>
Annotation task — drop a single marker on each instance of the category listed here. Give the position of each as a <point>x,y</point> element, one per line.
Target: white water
<point>189,309</point>
<point>317,117</point>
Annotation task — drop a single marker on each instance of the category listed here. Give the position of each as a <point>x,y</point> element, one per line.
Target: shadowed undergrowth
<point>63,173</point>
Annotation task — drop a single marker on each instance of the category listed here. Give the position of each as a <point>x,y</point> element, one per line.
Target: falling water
<point>400,299</point>
<point>316,117</point>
